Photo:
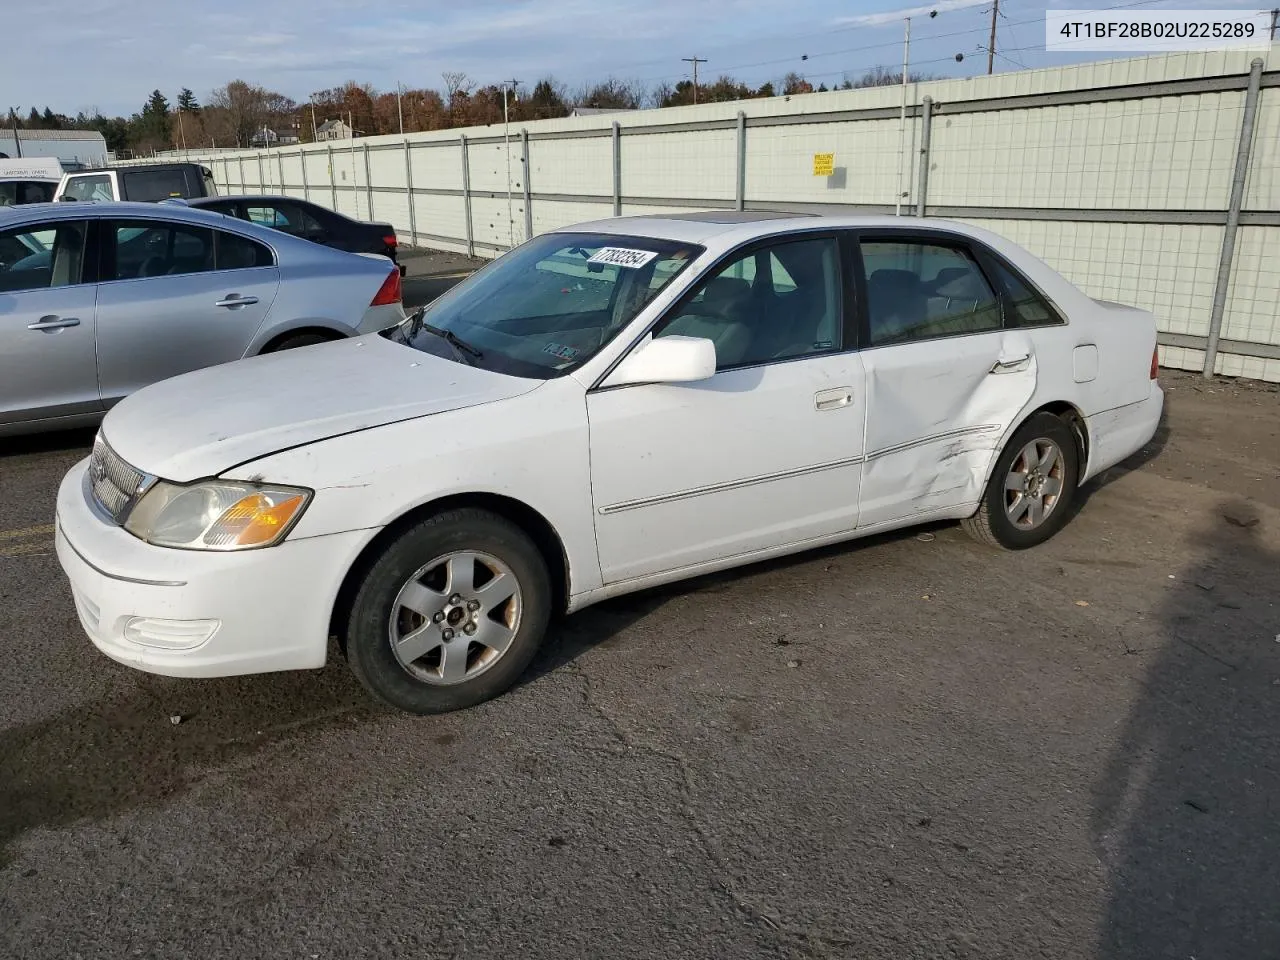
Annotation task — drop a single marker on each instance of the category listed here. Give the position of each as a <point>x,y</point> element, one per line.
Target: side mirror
<point>666,360</point>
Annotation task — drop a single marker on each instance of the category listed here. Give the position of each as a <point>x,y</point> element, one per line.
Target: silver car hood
<point>203,423</point>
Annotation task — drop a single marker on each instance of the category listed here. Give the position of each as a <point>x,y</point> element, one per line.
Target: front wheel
<point>450,614</point>
<point>1032,488</point>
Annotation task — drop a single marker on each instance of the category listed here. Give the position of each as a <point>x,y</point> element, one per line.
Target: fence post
<point>240,170</point>
<point>926,126</point>
<point>742,160</point>
<point>306,187</point>
<point>261,177</point>
<point>408,194</point>
<point>466,193</point>
<point>333,181</point>
<point>280,164</point>
<point>368,180</point>
<point>617,169</point>
<point>1233,217</point>
<point>528,192</point>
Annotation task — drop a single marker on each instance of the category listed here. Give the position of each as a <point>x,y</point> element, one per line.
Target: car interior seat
<point>721,317</point>
<point>897,304</point>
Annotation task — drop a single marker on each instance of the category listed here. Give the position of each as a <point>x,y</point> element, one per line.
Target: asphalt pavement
<point>910,746</point>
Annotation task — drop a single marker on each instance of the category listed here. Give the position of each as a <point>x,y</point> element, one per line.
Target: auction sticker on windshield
<point>622,257</point>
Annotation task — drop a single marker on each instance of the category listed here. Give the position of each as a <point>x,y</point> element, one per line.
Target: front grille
<point>114,483</point>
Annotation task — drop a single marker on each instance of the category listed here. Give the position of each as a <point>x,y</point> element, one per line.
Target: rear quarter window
<point>152,186</point>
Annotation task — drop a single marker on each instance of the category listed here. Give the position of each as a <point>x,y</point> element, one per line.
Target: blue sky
<point>110,54</point>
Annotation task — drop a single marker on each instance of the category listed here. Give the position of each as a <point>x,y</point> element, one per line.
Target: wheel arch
<point>1063,410</point>
<point>280,336</point>
<point>531,521</point>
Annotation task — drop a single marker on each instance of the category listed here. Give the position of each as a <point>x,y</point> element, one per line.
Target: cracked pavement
<point>904,747</point>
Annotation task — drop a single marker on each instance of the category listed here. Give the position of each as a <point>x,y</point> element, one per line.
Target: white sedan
<point>607,407</point>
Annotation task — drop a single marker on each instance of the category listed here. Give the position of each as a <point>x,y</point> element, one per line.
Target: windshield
<point>549,305</point>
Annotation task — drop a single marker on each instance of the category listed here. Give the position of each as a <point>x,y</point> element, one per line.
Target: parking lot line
<point>26,532</point>
<point>22,549</point>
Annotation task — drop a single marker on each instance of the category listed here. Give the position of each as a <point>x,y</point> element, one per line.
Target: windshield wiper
<point>461,348</point>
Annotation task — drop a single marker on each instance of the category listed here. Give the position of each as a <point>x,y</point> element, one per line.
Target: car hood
<point>203,423</point>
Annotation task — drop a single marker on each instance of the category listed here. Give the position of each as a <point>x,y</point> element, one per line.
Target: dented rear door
<point>944,379</point>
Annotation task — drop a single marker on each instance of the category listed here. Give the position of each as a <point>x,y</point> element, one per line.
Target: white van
<point>30,180</point>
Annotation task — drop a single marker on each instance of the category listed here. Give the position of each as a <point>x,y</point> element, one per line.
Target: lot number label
<point>621,257</point>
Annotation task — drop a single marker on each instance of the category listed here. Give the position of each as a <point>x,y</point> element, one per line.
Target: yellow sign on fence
<point>824,164</point>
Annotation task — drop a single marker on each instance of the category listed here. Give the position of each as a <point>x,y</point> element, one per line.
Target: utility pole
<point>695,61</point>
<point>315,136</point>
<point>400,107</point>
<point>991,46</point>
<point>902,117</point>
<point>506,136</point>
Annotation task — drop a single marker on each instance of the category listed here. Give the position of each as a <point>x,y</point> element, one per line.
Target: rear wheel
<point>1032,488</point>
<point>450,614</point>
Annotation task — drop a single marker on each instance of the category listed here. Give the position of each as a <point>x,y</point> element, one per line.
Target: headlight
<point>216,515</point>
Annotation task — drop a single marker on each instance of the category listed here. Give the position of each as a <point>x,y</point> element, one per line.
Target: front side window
<point>95,187</point>
<point>14,192</point>
<point>41,256</point>
<point>549,305</point>
<point>775,303</point>
<point>156,249</point>
<point>920,291</point>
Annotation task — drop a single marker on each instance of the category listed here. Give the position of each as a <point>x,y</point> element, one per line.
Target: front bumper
<point>188,613</point>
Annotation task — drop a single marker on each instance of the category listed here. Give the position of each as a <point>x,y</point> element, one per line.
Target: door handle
<point>235,300</point>
<point>52,322</point>
<point>833,399</point>
<point>1011,366</point>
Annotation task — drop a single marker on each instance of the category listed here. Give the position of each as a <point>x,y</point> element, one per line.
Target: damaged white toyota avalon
<point>607,407</point>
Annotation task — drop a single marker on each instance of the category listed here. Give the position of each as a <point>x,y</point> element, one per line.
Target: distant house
<point>333,130</point>
<point>267,137</point>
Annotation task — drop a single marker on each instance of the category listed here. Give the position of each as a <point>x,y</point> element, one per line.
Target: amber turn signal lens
<point>253,521</point>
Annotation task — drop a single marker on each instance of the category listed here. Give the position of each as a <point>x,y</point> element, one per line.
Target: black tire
<point>369,625</point>
<point>300,340</point>
<point>992,523</point>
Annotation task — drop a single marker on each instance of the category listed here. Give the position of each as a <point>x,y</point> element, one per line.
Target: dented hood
<point>203,423</point>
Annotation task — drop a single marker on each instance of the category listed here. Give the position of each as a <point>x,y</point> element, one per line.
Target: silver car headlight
<point>217,515</point>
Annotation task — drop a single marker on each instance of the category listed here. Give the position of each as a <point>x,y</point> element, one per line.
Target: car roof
<point>737,226</point>
<point>78,209</point>
<point>272,197</point>
<point>130,167</point>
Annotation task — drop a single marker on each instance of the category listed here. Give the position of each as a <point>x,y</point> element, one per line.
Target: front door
<point>945,379</point>
<point>46,323</point>
<point>766,452</point>
<point>176,297</point>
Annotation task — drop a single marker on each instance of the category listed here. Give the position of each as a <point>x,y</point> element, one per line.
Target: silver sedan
<point>100,299</point>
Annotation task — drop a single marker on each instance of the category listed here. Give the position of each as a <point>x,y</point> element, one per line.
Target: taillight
<point>1155,362</point>
<point>390,292</point>
<point>389,240</point>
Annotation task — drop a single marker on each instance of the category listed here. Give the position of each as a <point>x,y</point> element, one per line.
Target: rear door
<point>176,297</point>
<point>46,322</point>
<point>946,377</point>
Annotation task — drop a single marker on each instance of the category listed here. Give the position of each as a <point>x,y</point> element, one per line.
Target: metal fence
<point>1153,181</point>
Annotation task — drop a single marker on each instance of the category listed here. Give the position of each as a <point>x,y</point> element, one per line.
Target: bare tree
<point>456,82</point>
<point>613,94</point>
<point>243,109</point>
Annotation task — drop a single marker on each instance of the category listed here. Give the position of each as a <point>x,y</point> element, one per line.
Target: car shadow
<point>57,441</point>
<point>1186,816</point>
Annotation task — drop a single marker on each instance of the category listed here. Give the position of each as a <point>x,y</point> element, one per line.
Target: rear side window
<point>918,290</point>
<point>41,256</point>
<point>94,187</point>
<point>210,188</point>
<point>235,252</point>
<point>145,248</point>
<point>286,217</point>
<point>1023,306</point>
<point>152,186</point>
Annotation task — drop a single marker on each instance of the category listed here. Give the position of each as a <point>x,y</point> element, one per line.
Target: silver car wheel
<point>1033,485</point>
<point>455,617</point>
